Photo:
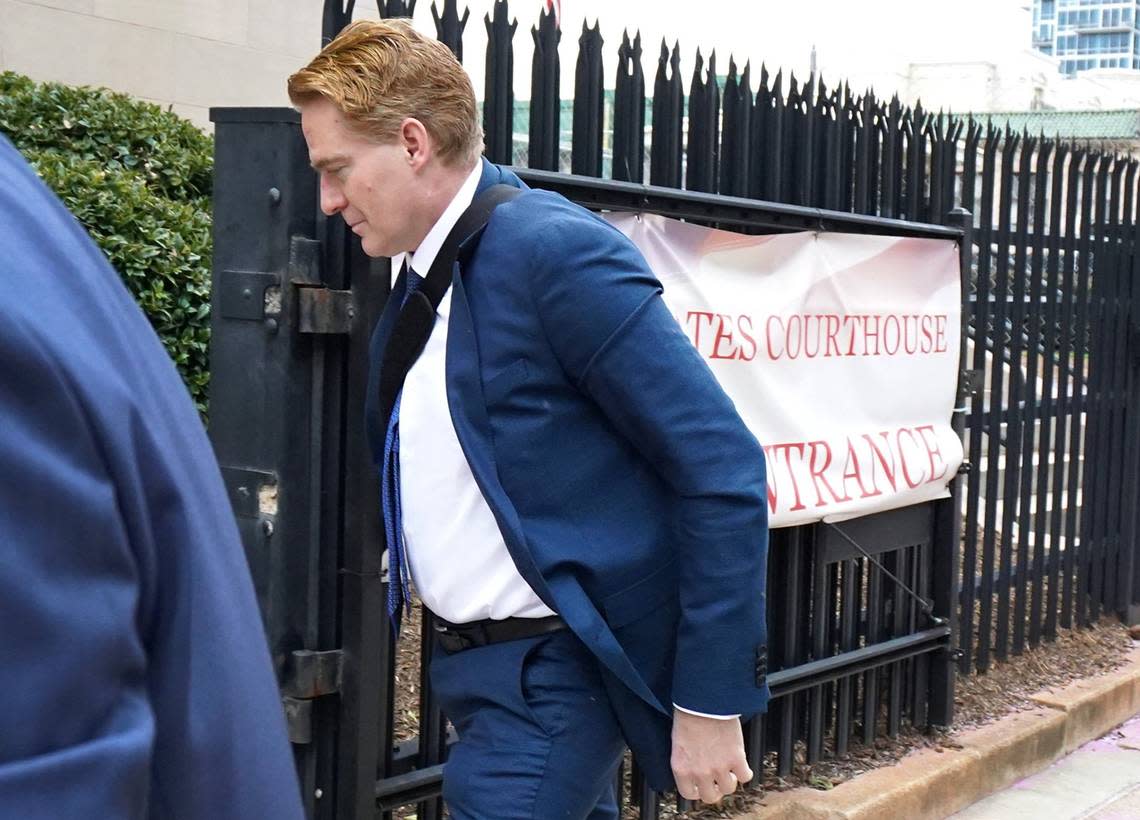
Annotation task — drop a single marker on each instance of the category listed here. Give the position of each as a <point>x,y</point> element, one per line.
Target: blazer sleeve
<point>136,677</point>
<point>602,311</point>
<point>77,726</point>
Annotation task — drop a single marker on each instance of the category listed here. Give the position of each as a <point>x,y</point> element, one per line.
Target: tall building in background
<point>1084,35</point>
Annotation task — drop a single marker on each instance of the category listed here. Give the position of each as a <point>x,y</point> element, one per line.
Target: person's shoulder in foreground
<point>132,657</point>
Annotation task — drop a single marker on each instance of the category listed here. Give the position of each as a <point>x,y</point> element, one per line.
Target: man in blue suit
<point>135,676</point>
<point>574,496</point>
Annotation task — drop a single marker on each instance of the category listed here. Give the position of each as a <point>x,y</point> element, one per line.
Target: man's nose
<point>332,198</point>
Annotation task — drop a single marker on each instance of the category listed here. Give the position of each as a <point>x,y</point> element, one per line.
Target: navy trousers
<point>538,739</point>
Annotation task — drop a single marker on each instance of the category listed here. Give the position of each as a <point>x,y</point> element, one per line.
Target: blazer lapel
<point>376,345</point>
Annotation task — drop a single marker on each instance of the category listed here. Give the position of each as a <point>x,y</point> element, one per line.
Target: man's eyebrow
<point>324,162</point>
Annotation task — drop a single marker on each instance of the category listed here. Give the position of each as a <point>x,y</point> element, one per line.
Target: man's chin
<point>373,248</point>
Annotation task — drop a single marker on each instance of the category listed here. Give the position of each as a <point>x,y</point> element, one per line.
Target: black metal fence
<point>864,616</point>
<point>1053,338</point>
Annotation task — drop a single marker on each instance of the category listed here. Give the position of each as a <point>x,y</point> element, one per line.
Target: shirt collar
<point>424,256</point>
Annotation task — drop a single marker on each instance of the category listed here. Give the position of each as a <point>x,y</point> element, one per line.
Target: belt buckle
<point>453,640</point>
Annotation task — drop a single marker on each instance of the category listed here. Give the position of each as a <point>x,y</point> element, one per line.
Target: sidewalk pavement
<point>1100,780</point>
<point>1012,756</point>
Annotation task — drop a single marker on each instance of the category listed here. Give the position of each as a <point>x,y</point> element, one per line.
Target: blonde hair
<point>378,73</point>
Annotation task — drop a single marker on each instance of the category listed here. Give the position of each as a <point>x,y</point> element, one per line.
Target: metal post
<point>947,512</point>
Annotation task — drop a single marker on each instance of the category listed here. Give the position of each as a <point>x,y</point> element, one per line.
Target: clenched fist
<point>708,757</point>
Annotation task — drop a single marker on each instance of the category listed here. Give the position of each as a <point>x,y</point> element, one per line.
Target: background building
<point>1085,36</point>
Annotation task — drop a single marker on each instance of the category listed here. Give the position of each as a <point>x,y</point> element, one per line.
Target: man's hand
<point>708,757</point>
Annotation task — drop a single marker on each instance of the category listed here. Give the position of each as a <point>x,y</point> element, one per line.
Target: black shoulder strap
<point>417,317</point>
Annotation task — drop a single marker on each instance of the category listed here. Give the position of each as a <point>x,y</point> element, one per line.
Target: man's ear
<point>416,142</point>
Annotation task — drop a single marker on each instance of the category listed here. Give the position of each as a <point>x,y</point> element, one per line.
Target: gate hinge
<point>308,675</point>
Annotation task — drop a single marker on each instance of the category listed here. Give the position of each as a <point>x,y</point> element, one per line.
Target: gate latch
<point>323,310</point>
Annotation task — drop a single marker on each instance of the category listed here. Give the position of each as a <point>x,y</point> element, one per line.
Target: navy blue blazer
<point>135,675</point>
<point>628,490</point>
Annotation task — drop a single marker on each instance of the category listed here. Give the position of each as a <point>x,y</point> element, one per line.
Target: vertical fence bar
<point>736,137</point>
<point>1114,435</point>
<point>979,319</point>
<point>1129,565</point>
<point>829,175</point>
<point>449,26</point>
<point>995,427</point>
<point>922,680</point>
<point>589,104</point>
<point>665,152</point>
<point>834,587</point>
<point>1079,478</point>
<point>999,460</point>
<point>795,145</point>
<point>893,126</point>
<point>820,623</point>
<point>1015,452</point>
<point>759,145</point>
<point>1126,553</point>
<point>545,105</point>
<point>878,154</point>
<point>1102,451</point>
<point>865,111</point>
<point>1094,379</point>
<point>1122,292</point>
<point>916,165</point>
<point>898,562</point>
<point>704,117</point>
<point>432,728</point>
<point>395,8</point>
<point>939,179</point>
<point>499,95</point>
<point>755,745</point>
<point>847,639</point>
<point>629,113</point>
<point>793,650</point>
<point>946,541</point>
<point>775,156</point>
<point>874,634</point>
<point>1035,442</point>
<point>1105,279</point>
<point>1070,395</point>
<point>1053,429</point>
<point>890,124</point>
<point>806,152</point>
<point>1093,486</point>
<point>335,15</point>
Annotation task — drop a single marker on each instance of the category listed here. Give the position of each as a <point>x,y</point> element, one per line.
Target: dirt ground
<point>979,698</point>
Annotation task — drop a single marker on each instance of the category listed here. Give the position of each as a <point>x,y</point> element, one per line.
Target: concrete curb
<point>931,785</point>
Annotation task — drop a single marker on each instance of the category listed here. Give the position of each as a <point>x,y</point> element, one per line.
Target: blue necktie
<point>399,597</point>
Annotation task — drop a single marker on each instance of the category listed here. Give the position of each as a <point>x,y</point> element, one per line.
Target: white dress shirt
<point>456,553</point>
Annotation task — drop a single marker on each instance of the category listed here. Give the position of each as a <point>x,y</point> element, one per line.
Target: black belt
<point>457,637</point>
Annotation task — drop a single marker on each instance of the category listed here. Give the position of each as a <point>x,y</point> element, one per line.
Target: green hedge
<point>139,179</point>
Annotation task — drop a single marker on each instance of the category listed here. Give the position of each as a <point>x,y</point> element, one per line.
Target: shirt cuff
<point>704,714</point>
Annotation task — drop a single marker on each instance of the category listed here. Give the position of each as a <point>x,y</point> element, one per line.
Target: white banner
<point>839,350</point>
